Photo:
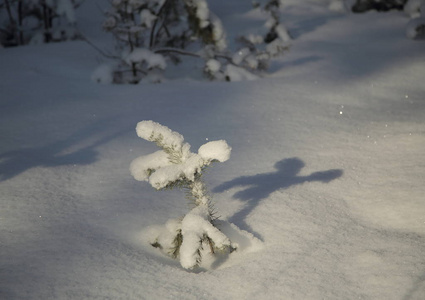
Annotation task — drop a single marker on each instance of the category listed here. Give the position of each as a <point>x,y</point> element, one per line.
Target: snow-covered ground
<point>327,168</point>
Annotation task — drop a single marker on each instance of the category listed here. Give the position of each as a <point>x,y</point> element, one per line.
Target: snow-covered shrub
<point>415,8</point>
<point>360,6</point>
<point>151,34</point>
<point>103,74</point>
<point>37,21</point>
<point>258,48</point>
<point>415,28</point>
<point>176,166</point>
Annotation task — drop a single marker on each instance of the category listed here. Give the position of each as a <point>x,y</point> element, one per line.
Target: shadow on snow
<point>58,153</point>
<point>260,186</point>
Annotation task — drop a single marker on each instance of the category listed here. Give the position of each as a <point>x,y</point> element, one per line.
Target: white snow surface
<point>103,74</point>
<point>142,55</point>
<point>235,73</point>
<point>327,169</point>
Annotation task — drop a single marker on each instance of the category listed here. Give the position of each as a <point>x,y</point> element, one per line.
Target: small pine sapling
<point>176,166</point>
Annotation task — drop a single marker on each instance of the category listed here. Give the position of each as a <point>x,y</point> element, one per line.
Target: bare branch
<point>176,50</point>
<point>98,49</point>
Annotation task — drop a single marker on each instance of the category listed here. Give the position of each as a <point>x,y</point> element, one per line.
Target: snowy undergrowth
<point>346,104</point>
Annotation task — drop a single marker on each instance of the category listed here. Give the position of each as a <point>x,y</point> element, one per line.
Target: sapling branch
<point>103,53</point>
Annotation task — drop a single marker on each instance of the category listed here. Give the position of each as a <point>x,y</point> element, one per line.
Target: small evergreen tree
<point>176,166</point>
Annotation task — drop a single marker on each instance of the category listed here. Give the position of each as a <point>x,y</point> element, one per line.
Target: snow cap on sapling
<point>215,150</point>
<point>152,131</point>
<point>143,166</point>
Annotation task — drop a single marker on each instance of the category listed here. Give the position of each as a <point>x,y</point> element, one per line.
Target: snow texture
<point>141,167</point>
<point>66,8</point>
<point>103,74</point>
<point>282,33</point>
<point>218,32</point>
<point>173,172</point>
<point>141,55</point>
<point>327,169</point>
<point>415,29</point>
<point>147,18</point>
<point>213,65</point>
<point>240,55</point>
<point>337,5</point>
<point>202,12</point>
<point>194,225</point>
<point>235,73</point>
<point>153,131</point>
<point>215,150</point>
<point>415,8</point>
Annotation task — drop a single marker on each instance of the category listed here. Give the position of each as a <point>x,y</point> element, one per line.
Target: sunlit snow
<point>323,193</point>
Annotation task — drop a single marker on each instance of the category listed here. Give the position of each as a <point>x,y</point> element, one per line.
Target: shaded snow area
<point>324,191</point>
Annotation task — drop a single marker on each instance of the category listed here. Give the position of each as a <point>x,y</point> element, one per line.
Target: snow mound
<point>103,74</point>
<point>243,241</point>
<point>141,55</point>
<point>415,29</point>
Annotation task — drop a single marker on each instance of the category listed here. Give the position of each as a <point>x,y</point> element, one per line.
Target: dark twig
<point>98,49</point>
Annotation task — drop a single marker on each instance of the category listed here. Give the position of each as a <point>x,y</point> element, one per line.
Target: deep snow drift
<point>327,168</point>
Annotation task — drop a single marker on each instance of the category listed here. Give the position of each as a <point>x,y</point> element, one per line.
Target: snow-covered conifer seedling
<point>176,166</point>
